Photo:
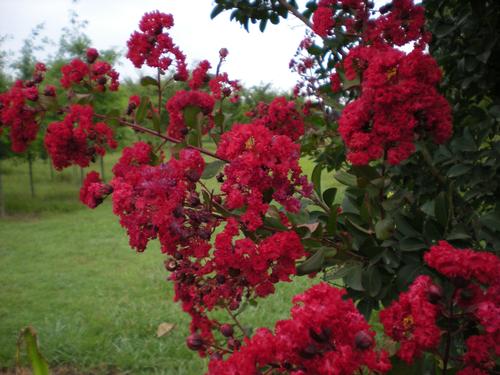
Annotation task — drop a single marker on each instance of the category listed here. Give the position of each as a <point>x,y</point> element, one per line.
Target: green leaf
<point>491,220</point>
<point>263,24</point>
<point>331,224</point>
<point>156,121</point>
<point>458,170</point>
<point>316,178</point>
<point>372,281</point>
<point>341,271</point>
<point>312,264</point>
<point>412,244</point>
<point>346,179</point>
<point>354,279</point>
<point>384,228</point>
<point>149,81</point>
<point>216,11</point>
<point>407,274</point>
<point>441,209</point>
<point>329,196</point>
<point>211,169</point>
<point>39,364</point>
<point>141,112</point>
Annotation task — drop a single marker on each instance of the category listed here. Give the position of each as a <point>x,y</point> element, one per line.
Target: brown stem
<point>235,319</point>
<point>142,129</point>
<point>159,92</point>
<point>296,13</point>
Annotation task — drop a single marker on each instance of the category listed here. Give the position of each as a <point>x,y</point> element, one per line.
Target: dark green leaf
<point>441,209</point>
<point>190,115</point>
<point>316,178</point>
<point>329,196</point>
<point>211,169</point>
<point>346,179</point>
<point>354,279</point>
<point>491,220</point>
<point>216,11</point>
<point>313,264</point>
<point>458,170</point>
<point>384,228</point>
<point>148,81</point>
<point>412,244</point>
<point>372,281</point>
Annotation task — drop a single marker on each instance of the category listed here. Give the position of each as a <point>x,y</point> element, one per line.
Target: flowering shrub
<point>400,238</point>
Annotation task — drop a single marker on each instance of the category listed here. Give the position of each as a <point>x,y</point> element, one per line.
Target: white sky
<point>254,57</point>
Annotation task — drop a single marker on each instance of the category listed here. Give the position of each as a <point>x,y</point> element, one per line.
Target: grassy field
<point>96,304</point>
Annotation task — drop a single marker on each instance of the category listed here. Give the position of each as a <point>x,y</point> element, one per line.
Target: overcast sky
<point>254,57</point>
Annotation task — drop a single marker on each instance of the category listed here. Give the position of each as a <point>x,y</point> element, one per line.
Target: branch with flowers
<point>368,106</point>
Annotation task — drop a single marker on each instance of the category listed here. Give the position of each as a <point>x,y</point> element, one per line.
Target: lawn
<point>96,304</point>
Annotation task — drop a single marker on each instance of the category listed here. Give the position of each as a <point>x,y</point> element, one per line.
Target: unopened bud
<point>226,330</point>
<point>434,294</point>
<point>363,340</point>
<point>92,55</point>
<point>223,52</point>
<point>194,342</point>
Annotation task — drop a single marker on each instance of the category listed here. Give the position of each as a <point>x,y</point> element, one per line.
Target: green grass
<point>96,304</point>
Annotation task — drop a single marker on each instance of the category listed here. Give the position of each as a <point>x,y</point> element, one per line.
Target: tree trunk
<point>32,182</point>
<point>102,167</point>
<point>2,196</point>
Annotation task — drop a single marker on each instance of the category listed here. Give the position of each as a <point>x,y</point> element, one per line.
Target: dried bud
<point>171,265</point>
<point>220,177</point>
<point>102,80</point>
<point>193,175</point>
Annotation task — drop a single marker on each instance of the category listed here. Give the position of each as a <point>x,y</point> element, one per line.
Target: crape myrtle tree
<point>413,140</point>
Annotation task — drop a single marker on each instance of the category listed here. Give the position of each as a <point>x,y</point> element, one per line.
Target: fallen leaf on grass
<point>164,328</point>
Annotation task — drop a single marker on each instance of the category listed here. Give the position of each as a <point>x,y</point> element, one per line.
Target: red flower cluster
<point>322,19</point>
<point>19,109</point>
<point>98,72</point>
<point>149,199</point>
<point>477,279</point>
<point>222,87</point>
<point>93,191</point>
<point>176,105</point>
<point>235,270</point>
<point>77,139</point>
<point>411,320</point>
<point>258,266</point>
<point>155,48</point>
<point>399,103</point>
<point>404,23</point>
<point>18,115</point>
<point>325,335</point>
<point>261,164</point>
<point>280,116</point>
<point>199,77</point>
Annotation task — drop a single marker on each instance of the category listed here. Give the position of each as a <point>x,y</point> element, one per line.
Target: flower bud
<point>233,344</point>
<point>363,340</point>
<point>171,265</point>
<point>434,294</point>
<point>92,55</point>
<point>49,91</point>
<point>223,52</point>
<point>226,330</point>
<point>194,342</point>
